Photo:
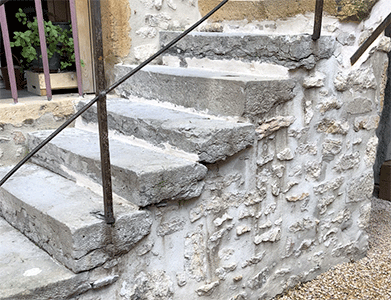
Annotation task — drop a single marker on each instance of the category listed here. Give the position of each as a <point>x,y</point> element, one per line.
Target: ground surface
<point>368,278</point>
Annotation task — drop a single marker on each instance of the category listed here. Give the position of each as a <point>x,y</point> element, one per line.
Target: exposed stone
<point>366,123</point>
<point>343,218</point>
<point>158,4</point>
<point>360,189</point>
<point>309,112</point>
<point>333,127</point>
<point>313,170</point>
<point>314,80</point>
<point>278,171</point>
<point>331,185</point>
<point>384,44</point>
<point>303,196</point>
<point>273,235</point>
<point>268,224</point>
<point>97,284</point>
<point>285,154</point>
<point>258,280</point>
<point>324,202</point>
<point>171,4</point>
<point>147,32</point>
<point>307,149</point>
<point>226,253</point>
<point>275,189</point>
<point>329,104</point>
<point>272,125</point>
<point>330,148</point>
<point>224,270</point>
<point>195,260</point>
<point>303,225</point>
<point>216,237</point>
<point>360,79</point>
<point>241,229</point>
<point>208,289</point>
<point>359,106</point>
<point>365,215</point>
<point>263,160</point>
<point>143,52</point>
<point>347,162</point>
<point>161,20</point>
<point>219,221</point>
<point>181,279</point>
<point>173,225</point>
<point>238,278</point>
<point>290,185</point>
<point>254,260</point>
<point>196,213</point>
<point>370,153</point>
<point>144,248</point>
<point>19,138</point>
<point>346,38</point>
<point>152,285</point>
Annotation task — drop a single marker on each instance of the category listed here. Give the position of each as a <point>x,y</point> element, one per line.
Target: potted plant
<point>60,49</point>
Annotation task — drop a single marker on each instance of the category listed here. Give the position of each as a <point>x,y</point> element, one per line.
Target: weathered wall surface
<point>286,209</point>
<point>17,120</point>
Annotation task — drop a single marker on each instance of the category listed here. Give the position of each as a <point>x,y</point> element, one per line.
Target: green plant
<point>58,40</point>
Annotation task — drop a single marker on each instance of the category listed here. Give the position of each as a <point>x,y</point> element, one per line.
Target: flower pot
<point>18,76</point>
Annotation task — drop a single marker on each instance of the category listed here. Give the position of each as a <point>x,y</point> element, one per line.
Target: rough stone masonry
<point>291,206</point>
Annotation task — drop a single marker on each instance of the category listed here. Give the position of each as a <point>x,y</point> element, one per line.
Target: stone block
<point>220,93</point>
<point>140,175</point>
<point>67,221</point>
<point>210,138</point>
<point>291,51</point>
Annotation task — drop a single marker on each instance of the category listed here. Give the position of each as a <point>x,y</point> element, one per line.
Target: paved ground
<point>369,278</point>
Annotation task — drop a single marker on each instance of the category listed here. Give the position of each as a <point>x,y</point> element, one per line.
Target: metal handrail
<point>360,51</point>
<point>318,20</point>
<point>102,94</point>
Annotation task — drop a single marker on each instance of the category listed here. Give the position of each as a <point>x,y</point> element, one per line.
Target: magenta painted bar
<point>42,39</point>
<point>76,44</point>
<point>8,54</point>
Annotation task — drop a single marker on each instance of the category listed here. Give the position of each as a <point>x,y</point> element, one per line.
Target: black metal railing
<point>101,93</point>
<point>368,42</point>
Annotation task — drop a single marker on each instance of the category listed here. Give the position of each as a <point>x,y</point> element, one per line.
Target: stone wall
<point>286,209</point>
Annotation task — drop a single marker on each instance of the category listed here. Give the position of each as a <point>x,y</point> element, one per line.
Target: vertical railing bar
<point>318,20</point>
<point>3,2</point>
<point>42,39</point>
<point>8,54</point>
<point>102,111</point>
<point>75,34</point>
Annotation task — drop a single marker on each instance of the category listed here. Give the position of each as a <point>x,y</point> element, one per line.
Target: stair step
<point>220,93</point>
<point>141,175</point>
<point>27,271</point>
<point>291,51</point>
<point>66,220</point>
<point>210,138</point>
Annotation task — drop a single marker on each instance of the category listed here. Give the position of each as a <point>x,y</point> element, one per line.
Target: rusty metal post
<point>318,20</point>
<point>102,110</point>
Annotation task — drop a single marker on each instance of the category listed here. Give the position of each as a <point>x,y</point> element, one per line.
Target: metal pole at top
<point>102,110</point>
<point>75,34</point>
<point>42,40</point>
<point>318,20</point>
<point>8,54</point>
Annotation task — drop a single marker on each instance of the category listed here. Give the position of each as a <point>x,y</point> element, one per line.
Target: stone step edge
<point>77,239</point>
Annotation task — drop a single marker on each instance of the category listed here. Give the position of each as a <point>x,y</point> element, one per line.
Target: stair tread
<point>26,269</point>
<point>209,137</point>
<point>66,219</point>
<point>217,92</point>
<point>142,175</point>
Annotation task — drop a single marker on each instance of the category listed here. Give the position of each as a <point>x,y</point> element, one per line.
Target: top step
<point>220,93</point>
<point>291,51</point>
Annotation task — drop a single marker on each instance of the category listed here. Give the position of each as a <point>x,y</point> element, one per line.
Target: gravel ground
<point>368,278</point>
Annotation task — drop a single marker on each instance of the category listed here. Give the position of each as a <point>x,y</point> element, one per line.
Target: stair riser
<point>289,51</point>
<point>229,96</point>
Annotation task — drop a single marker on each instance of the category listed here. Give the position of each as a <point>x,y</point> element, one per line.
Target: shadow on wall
<point>383,132</point>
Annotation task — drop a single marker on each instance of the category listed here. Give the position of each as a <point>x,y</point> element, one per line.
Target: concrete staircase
<point>159,152</point>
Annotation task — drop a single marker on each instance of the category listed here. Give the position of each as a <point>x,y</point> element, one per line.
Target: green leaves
<point>58,40</point>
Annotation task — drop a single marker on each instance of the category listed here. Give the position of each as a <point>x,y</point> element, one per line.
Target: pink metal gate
<point>41,29</point>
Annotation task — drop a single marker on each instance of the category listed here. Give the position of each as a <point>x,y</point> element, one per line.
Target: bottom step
<point>27,272</point>
<point>66,220</point>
